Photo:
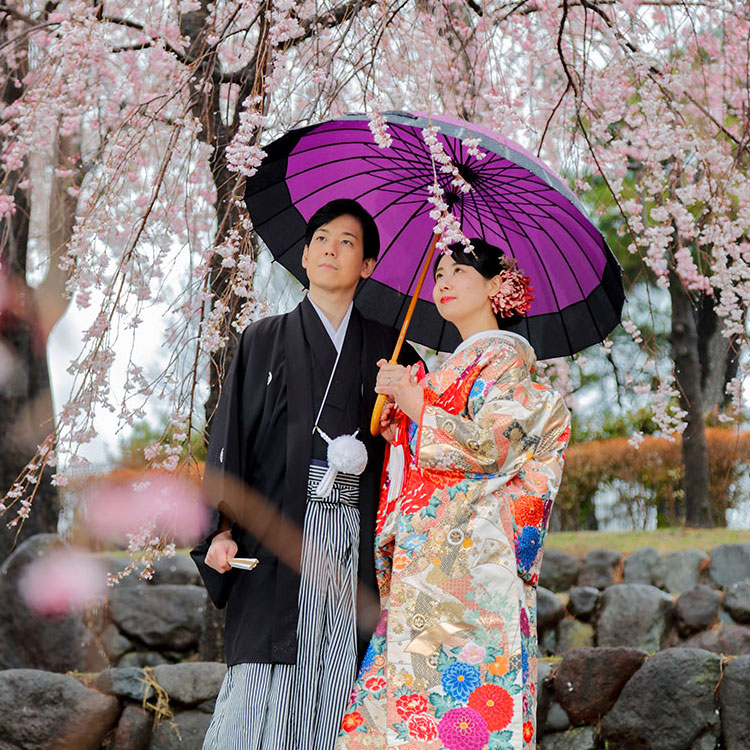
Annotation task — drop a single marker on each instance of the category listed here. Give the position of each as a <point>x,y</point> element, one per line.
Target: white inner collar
<point>337,336</point>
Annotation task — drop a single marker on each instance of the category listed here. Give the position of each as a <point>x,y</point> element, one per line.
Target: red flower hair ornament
<point>515,294</point>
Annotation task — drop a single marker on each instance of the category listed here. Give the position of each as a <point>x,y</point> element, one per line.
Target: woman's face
<point>461,293</point>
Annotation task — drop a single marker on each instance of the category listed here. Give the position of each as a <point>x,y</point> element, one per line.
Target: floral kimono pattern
<point>452,663</point>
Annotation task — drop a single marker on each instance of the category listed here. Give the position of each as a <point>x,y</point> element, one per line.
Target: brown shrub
<point>650,475</point>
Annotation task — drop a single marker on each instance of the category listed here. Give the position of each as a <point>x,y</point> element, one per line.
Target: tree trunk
<point>26,418</point>
<point>26,414</point>
<point>719,356</point>
<point>218,134</point>
<point>689,377</point>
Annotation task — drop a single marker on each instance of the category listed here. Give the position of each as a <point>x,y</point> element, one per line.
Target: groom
<point>295,625</point>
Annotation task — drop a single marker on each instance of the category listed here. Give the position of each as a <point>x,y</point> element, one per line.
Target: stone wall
<point>645,652</point>
<point>142,624</point>
<point>167,707</point>
<point>646,601</point>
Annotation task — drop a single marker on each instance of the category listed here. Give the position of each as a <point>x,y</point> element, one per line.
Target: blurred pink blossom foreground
<point>160,505</point>
<point>62,581</point>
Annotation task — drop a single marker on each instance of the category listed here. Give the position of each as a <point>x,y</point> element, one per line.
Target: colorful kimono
<point>452,663</point>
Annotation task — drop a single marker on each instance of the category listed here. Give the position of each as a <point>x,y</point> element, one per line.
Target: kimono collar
<point>521,345</point>
<point>337,336</point>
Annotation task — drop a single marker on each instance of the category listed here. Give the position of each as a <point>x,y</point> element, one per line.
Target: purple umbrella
<point>514,202</point>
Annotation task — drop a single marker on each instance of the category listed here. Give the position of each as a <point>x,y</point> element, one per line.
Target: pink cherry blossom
<point>62,581</point>
<point>168,506</point>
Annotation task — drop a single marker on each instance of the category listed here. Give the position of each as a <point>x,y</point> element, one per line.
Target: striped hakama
<point>300,706</point>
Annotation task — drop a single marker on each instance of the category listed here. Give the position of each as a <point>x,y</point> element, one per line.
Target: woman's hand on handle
<point>397,382</point>
<point>222,548</point>
<point>387,427</point>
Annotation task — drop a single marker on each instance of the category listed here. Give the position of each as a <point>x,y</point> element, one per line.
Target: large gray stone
<point>635,616</point>
<point>549,609</point>
<point>547,642</point>
<point>59,644</point>
<point>668,704</point>
<point>559,570</point>
<point>185,732</point>
<point>124,682</point>
<point>191,683</point>
<point>589,680</point>
<point>115,644</point>
<point>679,571</point>
<point>545,691</point>
<point>639,566</point>
<point>696,610</point>
<point>578,738</point>
<point>598,569</point>
<point>133,730</point>
<point>583,602</point>
<point>572,634</point>
<point>161,616</point>
<point>208,707</point>
<point>142,659</point>
<point>48,710</point>
<point>734,701</point>
<point>557,720</point>
<point>707,741</point>
<point>737,601</point>
<point>729,563</point>
<point>179,570</point>
<point>732,640</point>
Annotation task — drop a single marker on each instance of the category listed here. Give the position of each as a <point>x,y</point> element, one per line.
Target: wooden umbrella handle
<point>380,402</point>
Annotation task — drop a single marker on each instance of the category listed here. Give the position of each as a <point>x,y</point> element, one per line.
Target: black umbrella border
<point>558,334</point>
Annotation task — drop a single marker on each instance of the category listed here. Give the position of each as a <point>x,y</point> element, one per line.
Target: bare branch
<point>574,84</point>
<point>550,118</point>
<point>133,47</point>
<point>310,26</point>
<point>13,13</point>
<point>139,27</point>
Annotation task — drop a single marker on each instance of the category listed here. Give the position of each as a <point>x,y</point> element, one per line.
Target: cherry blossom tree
<point>150,115</point>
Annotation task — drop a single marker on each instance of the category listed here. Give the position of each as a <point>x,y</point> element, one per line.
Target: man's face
<point>333,259</point>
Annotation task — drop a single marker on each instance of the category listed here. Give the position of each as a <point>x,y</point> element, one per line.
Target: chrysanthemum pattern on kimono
<point>452,663</point>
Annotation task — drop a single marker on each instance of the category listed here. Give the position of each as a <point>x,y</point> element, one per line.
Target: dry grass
<point>578,543</point>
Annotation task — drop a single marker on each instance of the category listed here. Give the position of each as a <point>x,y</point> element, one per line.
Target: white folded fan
<point>243,563</point>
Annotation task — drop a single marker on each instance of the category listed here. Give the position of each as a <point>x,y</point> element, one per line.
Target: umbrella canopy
<point>514,202</point>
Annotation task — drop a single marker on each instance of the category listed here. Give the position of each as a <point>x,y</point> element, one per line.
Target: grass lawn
<point>578,543</point>
<point>665,540</point>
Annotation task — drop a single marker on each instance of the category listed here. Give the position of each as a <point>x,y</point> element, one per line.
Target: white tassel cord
<point>395,469</point>
<point>345,454</point>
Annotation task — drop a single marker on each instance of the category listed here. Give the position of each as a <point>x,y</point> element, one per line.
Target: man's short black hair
<point>347,207</point>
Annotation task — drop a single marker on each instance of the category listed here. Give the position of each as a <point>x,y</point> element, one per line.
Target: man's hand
<point>222,548</point>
